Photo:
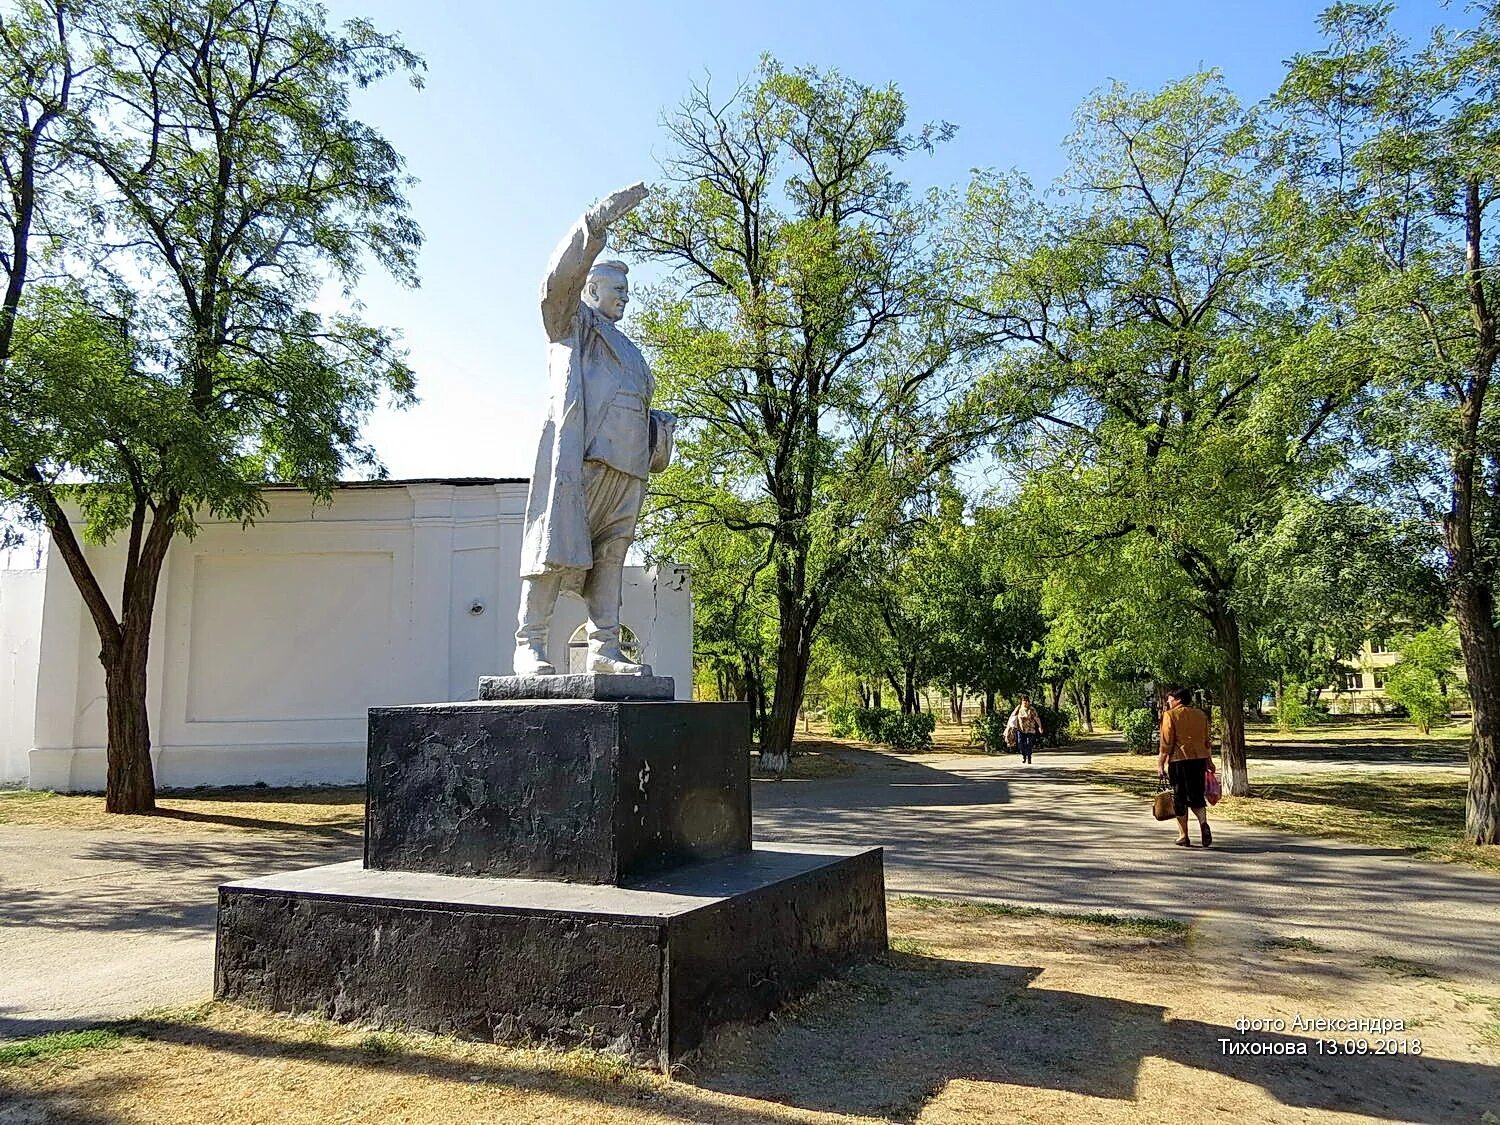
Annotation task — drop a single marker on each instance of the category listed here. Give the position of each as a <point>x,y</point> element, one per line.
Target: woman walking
<point>1183,762</point>
<point>1027,723</point>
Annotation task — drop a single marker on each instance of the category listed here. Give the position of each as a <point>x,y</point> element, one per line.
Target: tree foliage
<point>1155,364</point>
<point>802,337</point>
<point>210,179</point>
<point>1394,151</point>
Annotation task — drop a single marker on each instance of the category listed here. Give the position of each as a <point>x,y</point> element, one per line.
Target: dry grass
<point>979,1014</point>
<point>1415,813</point>
<point>337,813</point>
<point>815,758</point>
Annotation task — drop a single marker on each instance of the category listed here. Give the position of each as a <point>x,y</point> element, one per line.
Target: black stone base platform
<point>644,970</point>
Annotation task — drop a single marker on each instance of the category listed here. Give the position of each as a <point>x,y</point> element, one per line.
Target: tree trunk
<point>124,642</point>
<point>1471,590</point>
<point>130,785</point>
<point>1231,699</point>
<point>791,676</point>
<point>989,701</point>
<point>956,706</point>
<point>1474,608</point>
<point>1088,706</point>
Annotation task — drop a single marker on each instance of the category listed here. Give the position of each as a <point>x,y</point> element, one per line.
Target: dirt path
<point>992,828</point>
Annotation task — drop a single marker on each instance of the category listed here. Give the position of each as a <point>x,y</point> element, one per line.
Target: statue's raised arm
<point>568,272</point>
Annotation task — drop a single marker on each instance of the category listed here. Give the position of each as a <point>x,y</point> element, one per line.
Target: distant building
<point>270,642</point>
<point>1361,688</point>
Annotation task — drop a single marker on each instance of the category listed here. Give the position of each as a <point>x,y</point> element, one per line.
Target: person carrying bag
<point>1183,763</point>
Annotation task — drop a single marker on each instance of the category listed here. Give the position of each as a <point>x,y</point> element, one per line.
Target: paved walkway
<point>102,924</point>
<point>987,827</point>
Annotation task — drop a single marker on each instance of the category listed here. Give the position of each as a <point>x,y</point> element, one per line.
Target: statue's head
<point>608,289</point>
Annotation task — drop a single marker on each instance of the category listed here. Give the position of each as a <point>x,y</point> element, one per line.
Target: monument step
<point>645,970</point>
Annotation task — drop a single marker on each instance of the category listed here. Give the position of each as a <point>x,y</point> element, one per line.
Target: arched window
<point>578,648</point>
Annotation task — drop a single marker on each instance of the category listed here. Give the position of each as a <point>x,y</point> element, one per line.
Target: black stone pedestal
<point>645,970</point>
<point>575,869</point>
<point>589,792</point>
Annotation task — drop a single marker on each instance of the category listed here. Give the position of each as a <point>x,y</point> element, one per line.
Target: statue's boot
<point>602,590</point>
<point>538,600</point>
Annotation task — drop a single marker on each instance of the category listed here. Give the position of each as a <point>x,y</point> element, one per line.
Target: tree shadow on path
<point>892,1035</point>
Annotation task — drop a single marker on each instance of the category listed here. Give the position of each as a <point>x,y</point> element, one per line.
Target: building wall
<point>271,642</point>
<point>20,639</point>
<point>1363,691</point>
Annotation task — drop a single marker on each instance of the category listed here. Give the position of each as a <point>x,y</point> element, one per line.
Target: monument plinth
<point>575,790</point>
<point>605,688</point>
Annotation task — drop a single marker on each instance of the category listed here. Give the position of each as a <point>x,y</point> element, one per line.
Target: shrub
<point>990,731</point>
<point>841,721</point>
<point>1057,726</point>
<point>883,726</point>
<point>869,722</point>
<point>1294,711</point>
<point>1416,691</point>
<point>907,732</point>
<point>1140,730</point>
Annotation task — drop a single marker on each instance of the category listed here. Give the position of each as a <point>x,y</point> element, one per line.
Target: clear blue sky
<point>531,110</point>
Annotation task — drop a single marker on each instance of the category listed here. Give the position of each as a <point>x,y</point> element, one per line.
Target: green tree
<point>987,629</point>
<point>1332,574</point>
<point>40,72</point>
<point>1421,678</point>
<point>802,335</point>
<point>734,609</point>
<point>226,181</point>
<point>1155,363</point>
<point>1396,152</point>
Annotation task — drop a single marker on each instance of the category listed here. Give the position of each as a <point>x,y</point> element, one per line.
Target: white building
<point>270,642</point>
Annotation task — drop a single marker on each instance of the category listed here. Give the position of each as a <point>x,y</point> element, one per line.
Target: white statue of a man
<point>599,441</point>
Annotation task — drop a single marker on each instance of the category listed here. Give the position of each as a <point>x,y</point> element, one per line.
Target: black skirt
<point>1186,777</point>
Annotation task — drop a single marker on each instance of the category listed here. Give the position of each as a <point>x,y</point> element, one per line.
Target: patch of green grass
<point>1401,967</point>
<point>192,1013</point>
<point>382,1044</point>
<point>912,946</point>
<point>1295,944</point>
<point>1142,925</point>
<point>600,1066</point>
<point>39,1047</point>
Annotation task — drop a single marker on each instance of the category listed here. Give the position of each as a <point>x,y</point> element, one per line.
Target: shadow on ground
<point>81,1101</point>
<point>175,888</point>
<point>891,1036</point>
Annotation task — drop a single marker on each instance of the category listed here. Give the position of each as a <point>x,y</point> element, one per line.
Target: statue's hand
<point>616,206</point>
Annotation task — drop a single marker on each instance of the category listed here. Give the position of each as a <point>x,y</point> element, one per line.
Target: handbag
<point>1165,805</point>
<point>1212,789</point>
